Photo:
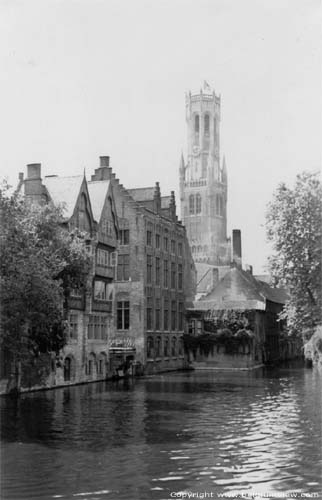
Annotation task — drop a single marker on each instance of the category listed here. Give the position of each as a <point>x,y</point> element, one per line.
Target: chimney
<point>172,207</point>
<point>33,171</point>
<point>103,172</point>
<point>104,161</point>
<point>20,176</point>
<point>249,269</point>
<point>157,198</point>
<point>237,250</point>
<point>33,184</point>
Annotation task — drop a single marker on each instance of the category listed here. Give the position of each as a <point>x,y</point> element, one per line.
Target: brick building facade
<point>155,276</point>
<point>131,317</point>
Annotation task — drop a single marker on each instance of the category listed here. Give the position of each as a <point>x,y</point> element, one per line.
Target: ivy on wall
<point>233,330</point>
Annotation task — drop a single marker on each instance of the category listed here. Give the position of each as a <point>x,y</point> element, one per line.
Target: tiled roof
<point>97,192</point>
<point>64,191</point>
<point>142,194</point>
<point>239,289</point>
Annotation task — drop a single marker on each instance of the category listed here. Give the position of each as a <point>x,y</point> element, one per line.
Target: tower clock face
<point>196,150</point>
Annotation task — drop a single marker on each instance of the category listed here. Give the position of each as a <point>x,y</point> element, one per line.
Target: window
<point>198,204</point>
<point>157,314</point>
<point>97,327</point>
<point>158,347</point>
<point>100,290</point>
<point>157,241</point>
<point>173,247</point>
<point>149,238</point>
<point>165,244</point>
<point>174,347</point>
<point>173,275</point>
<point>157,270</point>
<point>107,227</point>
<point>180,276</point>
<point>165,274</point>
<point>180,249</point>
<point>180,316</point>
<point>206,124</point>
<point>73,326</point>
<point>124,236</point>
<point>150,347</point>
<point>215,128</point>
<point>123,267</point>
<point>191,204</point>
<point>166,347</point>
<point>181,346</point>
<point>149,314</point>
<point>197,124</point>
<point>166,315</point>
<point>195,327</point>
<point>149,269</point>
<point>123,315</point>
<point>173,315</point>
<point>102,258</point>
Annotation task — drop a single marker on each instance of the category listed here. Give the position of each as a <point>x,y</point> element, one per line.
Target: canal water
<point>155,438</point>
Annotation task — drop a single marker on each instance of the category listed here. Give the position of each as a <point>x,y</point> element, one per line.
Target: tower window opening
<point>206,124</point>
<point>191,204</point>
<point>197,124</point>
<point>198,204</point>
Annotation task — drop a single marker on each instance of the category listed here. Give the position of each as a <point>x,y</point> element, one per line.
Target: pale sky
<point>84,78</point>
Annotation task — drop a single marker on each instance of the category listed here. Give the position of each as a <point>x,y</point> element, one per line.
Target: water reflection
<point>197,431</point>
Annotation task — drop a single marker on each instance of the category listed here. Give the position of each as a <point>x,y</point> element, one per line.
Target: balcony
<point>102,305</point>
<point>106,271</point>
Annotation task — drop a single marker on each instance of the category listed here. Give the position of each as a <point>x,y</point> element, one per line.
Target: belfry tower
<point>203,181</point>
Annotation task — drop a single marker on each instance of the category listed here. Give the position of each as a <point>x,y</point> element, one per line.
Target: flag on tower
<point>206,86</point>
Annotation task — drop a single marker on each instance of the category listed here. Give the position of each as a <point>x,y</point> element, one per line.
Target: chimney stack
<point>172,206</point>
<point>237,250</point>
<point>33,183</point>
<point>33,171</point>
<point>104,161</point>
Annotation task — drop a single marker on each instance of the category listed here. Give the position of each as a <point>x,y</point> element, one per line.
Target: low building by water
<point>237,325</point>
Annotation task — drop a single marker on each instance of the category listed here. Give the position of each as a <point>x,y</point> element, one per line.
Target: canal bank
<point>221,432</point>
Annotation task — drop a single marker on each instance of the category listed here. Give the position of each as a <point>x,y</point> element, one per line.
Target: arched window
<point>207,124</point>
<point>197,124</point>
<point>199,249</point>
<point>215,129</point>
<point>181,346</point>
<point>158,347</point>
<point>150,347</point>
<point>191,204</point>
<point>67,369</point>
<point>166,347</point>
<point>174,347</point>
<point>193,249</point>
<point>198,203</point>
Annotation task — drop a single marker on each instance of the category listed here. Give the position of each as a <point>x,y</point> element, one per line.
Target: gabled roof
<point>142,194</point>
<point>64,191</point>
<point>97,193</point>
<point>239,289</point>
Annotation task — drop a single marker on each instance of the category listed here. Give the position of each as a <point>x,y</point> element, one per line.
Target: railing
<point>102,305</point>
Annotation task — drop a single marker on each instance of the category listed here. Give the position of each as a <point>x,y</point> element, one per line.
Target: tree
<point>40,262</point>
<point>293,223</point>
